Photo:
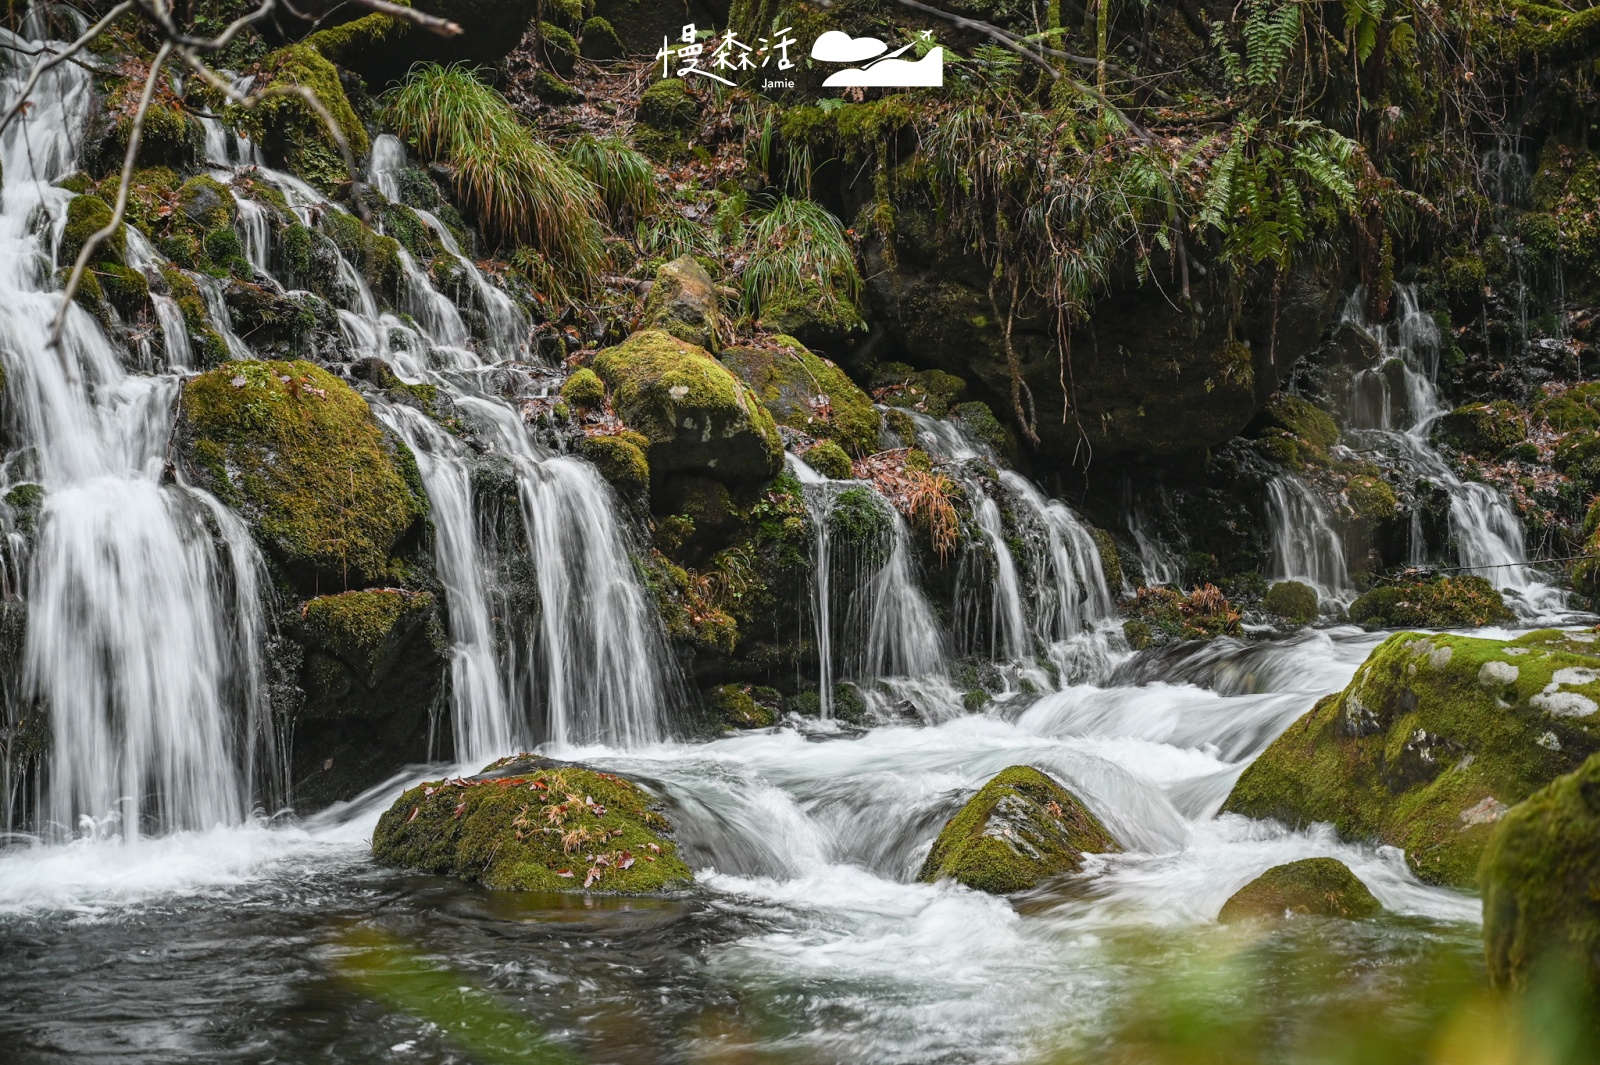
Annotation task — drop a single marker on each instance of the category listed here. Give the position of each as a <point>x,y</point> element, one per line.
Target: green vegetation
<point>808,393</point>
<point>830,460</point>
<point>365,629</point>
<point>529,824</point>
<point>584,391</point>
<point>1293,601</point>
<point>620,460</point>
<point>521,190</point>
<point>1019,829</point>
<point>1440,603</point>
<point>736,706</point>
<point>1311,887</point>
<point>1431,742</point>
<point>296,449</point>
<point>288,127</point>
<point>799,252</point>
<point>1162,615</point>
<point>625,179</point>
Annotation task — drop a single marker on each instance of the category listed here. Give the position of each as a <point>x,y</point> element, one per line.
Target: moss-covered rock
<point>1019,829</point>
<point>291,131</point>
<point>531,824</point>
<point>697,415</point>
<point>1372,498</point>
<point>808,393</point>
<point>667,107</point>
<point>979,420</point>
<point>86,216</point>
<point>1541,887</point>
<point>1293,601</point>
<point>683,302</point>
<point>207,202</point>
<point>1110,557</point>
<point>559,48</point>
<point>736,706</point>
<point>584,391</point>
<point>1441,603</point>
<point>1311,887</point>
<point>1487,429</point>
<point>297,450</point>
<point>932,392</point>
<point>1432,741</point>
<point>620,460</point>
<point>366,630</point>
<point>830,460</point>
<point>1295,432</point>
<point>598,40</point>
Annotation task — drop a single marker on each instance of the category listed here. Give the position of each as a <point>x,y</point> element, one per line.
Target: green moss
<point>981,423</point>
<point>1308,428</point>
<point>619,460</point>
<point>552,90</point>
<point>1293,601</point>
<point>808,393</point>
<point>697,416</point>
<point>1570,409</point>
<point>377,257</point>
<point>1541,887</point>
<point>1311,887</point>
<point>366,629</point>
<point>1139,634</point>
<point>299,451</point>
<point>1110,558</point>
<point>207,202</point>
<point>530,824</point>
<point>861,520</point>
<point>1488,429</point>
<point>683,301</point>
<point>931,391</point>
<point>667,107</point>
<point>86,216</point>
<point>349,41</point>
<point>830,460</point>
<point>1430,742</point>
<point>809,309</point>
<point>25,501</point>
<point>1372,498</point>
<point>600,40</point>
<point>1019,829</point>
<point>560,47</point>
<point>1442,603</point>
<point>584,390</point>
<point>290,129</point>
<point>736,707</point>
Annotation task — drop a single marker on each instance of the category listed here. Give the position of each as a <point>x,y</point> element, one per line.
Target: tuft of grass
<point>797,248</point>
<point>522,191</point>
<point>625,179</point>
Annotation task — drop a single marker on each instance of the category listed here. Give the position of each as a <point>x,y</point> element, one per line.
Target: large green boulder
<point>297,452</point>
<point>1019,829</point>
<point>1431,742</point>
<point>1441,603</point>
<point>807,393</point>
<point>1311,887</point>
<point>697,416</point>
<point>1541,887</point>
<point>531,824</point>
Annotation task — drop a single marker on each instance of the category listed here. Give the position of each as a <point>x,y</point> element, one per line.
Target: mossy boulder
<point>667,107</point>
<point>297,451</point>
<point>932,392</point>
<point>1295,432</point>
<point>598,40</point>
<point>559,48</point>
<point>1293,601</point>
<point>1019,829</point>
<point>1541,888</point>
<point>830,460</point>
<point>584,391</point>
<point>86,216</point>
<point>1487,429</point>
<point>288,128</point>
<point>1441,603</point>
<point>1372,498</point>
<point>698,417</point>
<point>620,460</point>
<point>808,393</point>
<point>1431,742</point>
<point>367,630</point>
<point>531,824</point>
<point>1312,887</point>
<point>736,706</point>
<point>207,203</point>
<point>683,302</point>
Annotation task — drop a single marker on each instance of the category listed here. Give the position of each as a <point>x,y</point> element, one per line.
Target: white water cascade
<point>145,622</point>
<point>1485,531</point>
<point>1306,546</point>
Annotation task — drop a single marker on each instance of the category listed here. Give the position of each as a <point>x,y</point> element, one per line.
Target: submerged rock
<point>1019,829</point>
<point>531,824</point>
<point>1541,886</point>
<point>1432,741</point>
<point>1312,887</point>
<point>698,417</point>
<point>1442,603</point>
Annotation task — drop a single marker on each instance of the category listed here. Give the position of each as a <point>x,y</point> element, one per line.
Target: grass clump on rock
<point>298,452</point>
<point>1434,739</point>
<point>1294,601</point>
<point>1312,887</point>
<point>531,824</point>
<point>1019,829</point>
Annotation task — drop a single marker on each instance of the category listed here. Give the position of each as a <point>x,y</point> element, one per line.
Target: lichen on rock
<point>531,824</point>
<point>1019,829</point>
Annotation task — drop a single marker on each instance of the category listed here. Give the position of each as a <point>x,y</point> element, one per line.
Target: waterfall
<point>144,608</point>
<point>1158,564</point>
<point>1069,584</point>
<point>1305,545</point>
<point>1485,530</point>
<point>819,494</point>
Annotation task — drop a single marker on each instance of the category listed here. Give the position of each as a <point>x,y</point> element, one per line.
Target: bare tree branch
<point>432,23</point>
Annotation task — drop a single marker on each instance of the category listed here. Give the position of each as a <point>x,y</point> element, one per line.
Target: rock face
<point>1541,885</point>
<point>1432,741</point>
<point>697,416</point>
<point>1312,887</point>
<point>1021,828</point>
<point>328,493</point>
<point>807,393</point>
<point>683,302</point>
<point>530,824</point>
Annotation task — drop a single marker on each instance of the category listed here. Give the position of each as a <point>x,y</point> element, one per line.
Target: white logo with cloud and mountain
<point>889,71</point>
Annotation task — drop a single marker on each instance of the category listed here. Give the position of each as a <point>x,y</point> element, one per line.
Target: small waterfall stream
<point>1306,546</point>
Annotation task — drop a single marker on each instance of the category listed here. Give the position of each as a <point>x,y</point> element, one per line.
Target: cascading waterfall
<point>1487,536</point>
<point>1306,546</point>
<point>145,621</point>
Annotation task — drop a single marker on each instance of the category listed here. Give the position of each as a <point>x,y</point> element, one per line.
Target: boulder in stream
<point>528,823</point>
<point>1020,828</point>
<point>1433,740</point>
<point>1311,887</point>
<point>1440,603</point>
<point>1541,887</point>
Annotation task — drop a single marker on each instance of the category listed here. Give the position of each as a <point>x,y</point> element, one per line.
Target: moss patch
<point>830,460</point>
<point>584,390</point>
<point>298,451</point>
<point>620,460</point>
<point>366,629</point>
<point>289,129</point>
<point>1312,887</point>
<point>697,416</point>
<point>530,824</point>
<point>1293,601</point>
<point>1020,828</point>
<point>1442,603</point>
<point>808,393</point>
<point>736,706</point>
<point>1433,739</point>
